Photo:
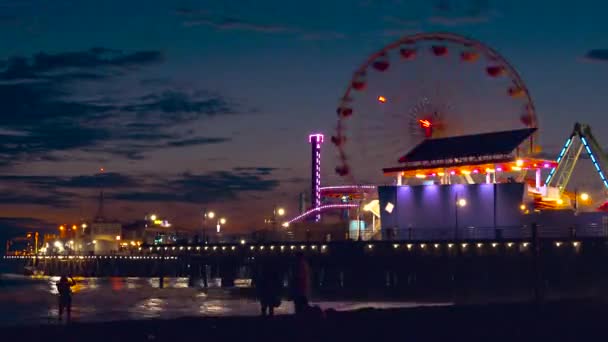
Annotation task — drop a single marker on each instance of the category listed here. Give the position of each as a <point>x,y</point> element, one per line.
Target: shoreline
<point>567,319</point>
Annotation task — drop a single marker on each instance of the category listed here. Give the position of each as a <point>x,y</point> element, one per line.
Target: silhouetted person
<point>301,285</point>
<point>64,287</point>
<point>268,286</point>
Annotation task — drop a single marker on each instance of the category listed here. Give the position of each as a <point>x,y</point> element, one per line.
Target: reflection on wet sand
<point>27,300</point>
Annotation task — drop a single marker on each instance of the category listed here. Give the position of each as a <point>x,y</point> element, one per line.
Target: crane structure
<point>580,139</point>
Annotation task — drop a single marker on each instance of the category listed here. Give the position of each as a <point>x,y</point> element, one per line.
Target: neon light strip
<point>319,209</point>
<point>341,187</point>
<point>595,164</point>
<point>561,155</point>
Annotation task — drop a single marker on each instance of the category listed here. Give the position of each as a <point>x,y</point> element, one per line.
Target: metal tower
<point>315,141</point>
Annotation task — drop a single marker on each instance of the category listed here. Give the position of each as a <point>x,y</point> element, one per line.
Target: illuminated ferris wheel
<point>425,86</point>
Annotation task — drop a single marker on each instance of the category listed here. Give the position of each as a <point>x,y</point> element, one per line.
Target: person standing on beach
<point>64,287</point>
<point>268,286</point>
<point>301,285</point>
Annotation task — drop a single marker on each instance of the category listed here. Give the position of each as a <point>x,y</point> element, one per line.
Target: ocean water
<point>28,300</point>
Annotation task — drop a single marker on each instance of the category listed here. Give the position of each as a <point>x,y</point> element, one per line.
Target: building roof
<point>477,145</point>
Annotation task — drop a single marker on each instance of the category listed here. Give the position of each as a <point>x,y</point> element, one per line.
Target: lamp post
<point>207,215</point>
<point>276,212</point>
<point>459,202</point>
<point>584,197</point>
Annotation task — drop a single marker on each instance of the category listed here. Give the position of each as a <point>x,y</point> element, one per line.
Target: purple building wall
<point>433,208</point>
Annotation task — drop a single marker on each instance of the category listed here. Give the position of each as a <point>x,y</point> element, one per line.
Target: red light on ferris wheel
<point>425,123</point>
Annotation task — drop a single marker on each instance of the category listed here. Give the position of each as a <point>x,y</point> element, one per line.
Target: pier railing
<point>492,233</point>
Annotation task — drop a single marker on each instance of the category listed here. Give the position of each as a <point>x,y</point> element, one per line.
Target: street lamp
<point>276,211</point>
<point>220,223</point>
<point>584,197</point>
<point>460,203</point>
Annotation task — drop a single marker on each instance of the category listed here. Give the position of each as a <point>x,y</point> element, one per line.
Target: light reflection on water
<point>26,300</point>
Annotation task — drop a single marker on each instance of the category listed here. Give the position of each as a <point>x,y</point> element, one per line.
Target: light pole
<point>584,197</point>
<point>276,212</point>
<point>459,202</point>
<point>207,215</point>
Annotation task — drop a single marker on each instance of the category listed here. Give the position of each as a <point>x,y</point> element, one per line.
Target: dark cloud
<point>180,102</point>
<point>41,64</point>
<point>105,180</point>
<point>196,141</point>
<point>260,170</point>
<point>42,108</point>
<point>597,55</point>
<point>205,188</point>
<point>54,200</point>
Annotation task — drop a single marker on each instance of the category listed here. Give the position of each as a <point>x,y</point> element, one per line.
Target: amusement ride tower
<point>315,141</point>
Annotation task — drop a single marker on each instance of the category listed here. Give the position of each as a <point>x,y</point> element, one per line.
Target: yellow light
<point>381,99</point>
<point>464,245</point>
<point>243,242</point>
<point>450,245</point>
<point>117,237</point>
<point>94,241</point>
<point>488,170</point>
<point>479,245</point>
<point>516,168</point>
<point>74,227</point>
<point>153,217</point>
<point>462,202</point>
<point>395,246</point>
<point>584,196</point>
<point>61,227</point>
<point>522,207</point>
<point>510,244</point>
<point>519,163</point>
<point>285,224</point>
<point>422,245</point>
<point>466,172</point>
<point>370,246</point>
<point>560,201</point>
<point>421,176</point>
<point>84,225</point>
<point>436,245</point>
<point>158,221</point>
<point>575,243</point>
<point>409,246</point>
<point>440,174</point>
<point>494,244</point>
<point>222,221</point>
<point>211,214</point>
<point>557,244</point>
<point>280,211</point>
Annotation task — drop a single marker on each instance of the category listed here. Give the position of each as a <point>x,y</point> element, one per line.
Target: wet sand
<point>581,320</point>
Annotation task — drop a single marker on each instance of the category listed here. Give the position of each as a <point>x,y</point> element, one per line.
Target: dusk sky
<point>208,104</point>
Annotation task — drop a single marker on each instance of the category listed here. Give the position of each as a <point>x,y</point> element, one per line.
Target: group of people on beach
<point>268,281</point>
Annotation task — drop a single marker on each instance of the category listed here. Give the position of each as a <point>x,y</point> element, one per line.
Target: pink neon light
<point>499,169</point>
<point>339,187</point>
<point>475,171</point>
<point>546,165</point>
<point>319,209</point>
<point>452,172</point>
<point>317,136</point>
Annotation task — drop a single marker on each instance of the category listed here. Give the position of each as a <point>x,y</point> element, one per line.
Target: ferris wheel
<point>425,86</point>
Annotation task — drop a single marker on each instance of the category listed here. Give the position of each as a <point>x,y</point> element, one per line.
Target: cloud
<point>195,17</point>
<point>205,188</point>
<point>54,200</point>
<point>196,142</point>
<point>260,170</point>
<point>459,20</point>
<point>600,55</point>
<point>459,13</point>
<point>41,64</point>
<point>105,180</point>
<point>233,24</point>
<point>46,112</point>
